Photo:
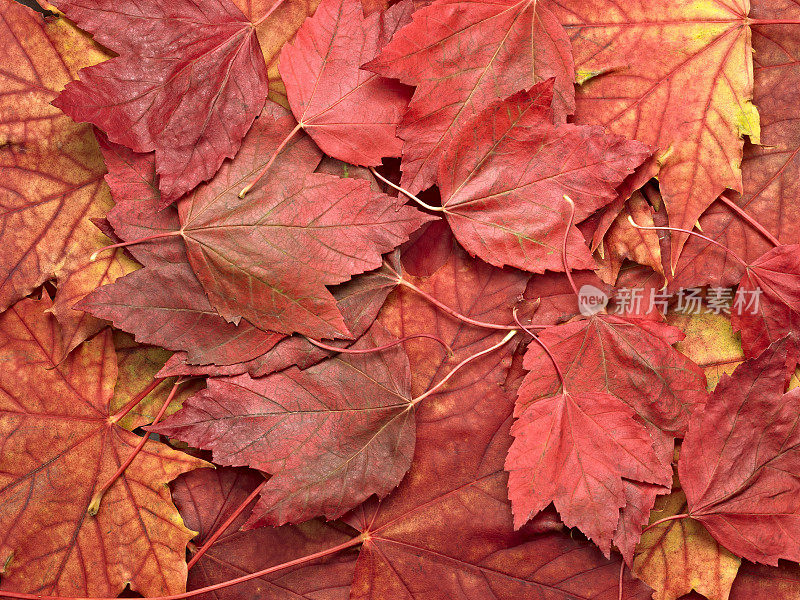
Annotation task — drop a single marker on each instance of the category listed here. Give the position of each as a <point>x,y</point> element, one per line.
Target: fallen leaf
<point>331,436</point>
<point>710,343</point>
<point>679,556</point>
<point>351,114</point>
<point>505,173</point>
<point>267,257</point>
<point>574,449</point>
<point>676,76</point>
<point>738,462</point>
<point>463,55</point>
<point>770,172</point>
<point>59,446</point>
<point>53,171</point>
<point>188,81</point>
<point>165,305</point>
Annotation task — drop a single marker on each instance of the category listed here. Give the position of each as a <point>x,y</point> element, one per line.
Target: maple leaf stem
<point>221,529</point>
<point>774,21</point>
<point>136,399</point>
<point>391,344</point>
<point>275,154</point>
<point>211,588</point>
<point>455,313</point>
<point>157,236</point>
<point>463,363</point>
<point>755,224</point>
<point>664,520</point>
<point>406,192</point>
<point>545,348</point>
<point>735,256</point>
<point>564,247</point>
<point>97,498</point>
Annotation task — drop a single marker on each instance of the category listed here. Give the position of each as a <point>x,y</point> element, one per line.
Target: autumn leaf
<point>165,305</point>
<point>447,531</point>
<point>206,498</point>
<point>330,436</point>
<point>676,76</point>
<point>737,463</point>
<point>359,300</point>
<point>53,171</point>
<point>59,444</point>
<point>632,360</point>
<point>462,55</point>
<point>267,257</point>
<point>505,174</point>
<point>773,279</point>
<point>679,556</point>
<point>138,211</point>
<point>710,343</point>
<point>770,173</point>
<point>574,449</point>
<point>137,369</point>
<point>622,241</point>
<point>351,114</point>
<point>188,82</point>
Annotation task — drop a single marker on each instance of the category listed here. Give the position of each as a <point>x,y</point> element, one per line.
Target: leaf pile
<point>419,299</point>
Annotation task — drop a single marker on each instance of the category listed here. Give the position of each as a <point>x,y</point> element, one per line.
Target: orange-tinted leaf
<point>771,173</point>
<point>739,462</point>
<point>187,84</point>
<point>267,257</point>
<point>79,277</point>
<point>52,170</point>
<point>280,24</point>
<point>679,556</point>
<point>59,446</point>
<point>463,55</point>
<point>207,498</point>
<point>677,76</point>
<point>505,173</point>
<point>710,342</point>
<point>623,241</point>
<point>350,113</point>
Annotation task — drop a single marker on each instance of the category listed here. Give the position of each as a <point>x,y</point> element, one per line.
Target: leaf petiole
<point>391,344</point>
<point>733,255</point>
<point>157,236</point>
<point>755,224</point>
<point>275,154</point>
<point>424,205</point>
<point>221,529</point>
<point>463,363</point>
<point>97,498</point>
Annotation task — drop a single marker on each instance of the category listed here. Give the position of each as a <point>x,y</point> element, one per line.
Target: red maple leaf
<point>462,56</point>
<point>187,83</point>
<point>739,460</point>
<point>351,114</point>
